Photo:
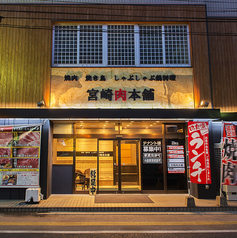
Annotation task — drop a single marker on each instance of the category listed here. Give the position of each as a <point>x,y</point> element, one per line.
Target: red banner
<point>229,155</point>
<point>199,156</point>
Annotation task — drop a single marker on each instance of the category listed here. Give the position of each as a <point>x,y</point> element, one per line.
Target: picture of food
<point>5,138</point>
<point>5,177</point>
<point>5,152</point>
<point>9,179</point>
<point>5,163</point>
<point>26,152</point>
<point>28,163</point>
<point>31,138</point>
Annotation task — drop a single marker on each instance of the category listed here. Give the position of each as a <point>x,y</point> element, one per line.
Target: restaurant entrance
<point>116,161</point>
<point>128,156</point>
<point>119,168</point>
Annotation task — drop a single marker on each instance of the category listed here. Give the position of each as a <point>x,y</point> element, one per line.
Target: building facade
<point>112,87</point>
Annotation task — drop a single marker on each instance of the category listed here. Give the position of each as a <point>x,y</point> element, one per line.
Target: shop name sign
<point>121,88</point>
<point>116,78</point>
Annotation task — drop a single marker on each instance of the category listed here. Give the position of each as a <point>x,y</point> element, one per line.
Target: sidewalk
<point>87,203</point>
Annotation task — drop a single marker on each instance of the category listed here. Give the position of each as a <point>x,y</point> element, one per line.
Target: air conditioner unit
<point>231,192</point>
<point>33,195</point>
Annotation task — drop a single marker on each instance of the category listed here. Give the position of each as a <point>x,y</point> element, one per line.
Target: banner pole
<point>222,142</point>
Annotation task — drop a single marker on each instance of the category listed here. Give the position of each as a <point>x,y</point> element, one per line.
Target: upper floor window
<point>121,45</point>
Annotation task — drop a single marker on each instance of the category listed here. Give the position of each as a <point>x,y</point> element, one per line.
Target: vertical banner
<point>20,156</point>
<point>229,155</point>
<point>199,156</point>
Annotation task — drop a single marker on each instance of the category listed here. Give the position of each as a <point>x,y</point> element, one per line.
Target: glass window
<point>90,44</point>
<point>121,45</point>
<point>176,45</point>
<point>86,159</point>
<point>178,128</point>
<point>65,45</point>
<point>62,129</point>
<point>63,151</point>
<point>151,50</point>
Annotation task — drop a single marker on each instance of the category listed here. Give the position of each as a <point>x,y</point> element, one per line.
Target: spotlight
<point>41,103</point>
<point>204,104</point>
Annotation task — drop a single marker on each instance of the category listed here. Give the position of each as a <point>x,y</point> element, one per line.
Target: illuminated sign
<point>121,88</point>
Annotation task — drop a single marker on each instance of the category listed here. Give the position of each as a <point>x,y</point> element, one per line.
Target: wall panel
<point>223,57</point>
<point>25,48</point>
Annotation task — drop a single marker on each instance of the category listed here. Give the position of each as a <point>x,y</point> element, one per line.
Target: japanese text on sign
<point>146,95</point>
<point>93,178</point>
<point>199,157</point>
<point>229,155</point>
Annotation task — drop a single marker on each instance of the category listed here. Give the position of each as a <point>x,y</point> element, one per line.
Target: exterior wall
<point>25,51</point>
<point>214,8</point>
<point>223,59</point>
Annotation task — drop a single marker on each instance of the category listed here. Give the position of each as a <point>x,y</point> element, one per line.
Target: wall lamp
<point>41,103</point>
<point>204,104</point>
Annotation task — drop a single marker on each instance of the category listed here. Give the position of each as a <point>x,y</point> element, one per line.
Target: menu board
<point>20,156</point>
<point>175,158</point>
<point>151,151</point>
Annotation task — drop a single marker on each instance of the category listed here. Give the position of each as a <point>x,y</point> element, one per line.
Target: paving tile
<point>161,202</point>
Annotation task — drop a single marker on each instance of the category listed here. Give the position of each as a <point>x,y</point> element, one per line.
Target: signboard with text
<point>199,156</point>
<point>20,156</point>
<point>229,155</point>
<point>175,158</point>
<point>151,151</point>
<point>121,88</point>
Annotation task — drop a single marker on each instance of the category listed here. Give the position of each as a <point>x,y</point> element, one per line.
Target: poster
<point>199,156</point>
<point>151,151</point>
<point>229,155</point>
<point>175,158</point>
<point>20,156</point>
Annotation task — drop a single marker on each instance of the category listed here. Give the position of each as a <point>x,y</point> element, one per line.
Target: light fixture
<point>41,103</point>
<point>204,104</point>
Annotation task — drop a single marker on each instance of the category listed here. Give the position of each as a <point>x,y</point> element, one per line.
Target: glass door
<point>108,166</point>
<point>129,153</point>
<point>119,165</point>
<point>86,159</point>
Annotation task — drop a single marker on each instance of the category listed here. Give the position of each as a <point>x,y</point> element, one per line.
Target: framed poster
<point>20,156</point>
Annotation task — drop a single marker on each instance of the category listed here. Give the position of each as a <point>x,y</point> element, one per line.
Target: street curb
<point>25,209</point>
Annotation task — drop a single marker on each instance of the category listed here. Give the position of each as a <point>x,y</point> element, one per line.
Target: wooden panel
<point>223,58</point>
<point>25,58</point>
<point>25,52</point>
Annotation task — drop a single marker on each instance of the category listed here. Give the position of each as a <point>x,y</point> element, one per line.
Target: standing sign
<point>93,178</point>
<point>20,156</point>
<point>199,156</point>
<point>229,155</point>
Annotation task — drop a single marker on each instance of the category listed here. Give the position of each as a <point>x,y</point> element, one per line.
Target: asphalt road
<point>116,225</point>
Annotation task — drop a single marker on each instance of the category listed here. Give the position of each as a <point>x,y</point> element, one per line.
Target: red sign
<point>199,156</point>
<point>229,155</point>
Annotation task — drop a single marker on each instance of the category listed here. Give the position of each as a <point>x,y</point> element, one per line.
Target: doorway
<point>119,166</point>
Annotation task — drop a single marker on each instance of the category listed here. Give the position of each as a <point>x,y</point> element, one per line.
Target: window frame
<point>136,47</point>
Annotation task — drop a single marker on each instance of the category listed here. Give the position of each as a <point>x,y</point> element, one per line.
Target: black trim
<point>110,113</point>
<point>229,116</point>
